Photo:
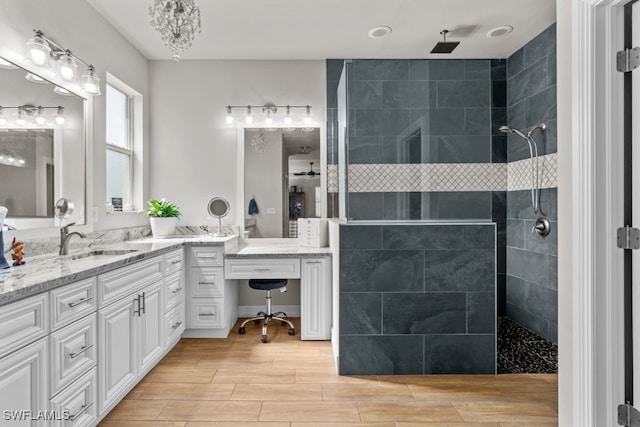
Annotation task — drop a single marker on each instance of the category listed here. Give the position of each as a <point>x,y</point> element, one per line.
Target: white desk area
<point>212,284</point>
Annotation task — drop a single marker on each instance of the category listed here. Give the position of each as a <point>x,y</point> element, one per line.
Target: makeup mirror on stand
<point>218,208</point>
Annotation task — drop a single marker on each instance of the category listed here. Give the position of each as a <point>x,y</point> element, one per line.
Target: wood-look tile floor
<point>241,382</point>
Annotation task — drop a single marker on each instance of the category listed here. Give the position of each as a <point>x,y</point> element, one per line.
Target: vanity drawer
<point>207,257</point>
<point>123,281</point>
<point>174,290</point>
<point>206,313</point>
<point>262,268</point>
<point>175,323</point>
<point>79,400</point>
<point>23,322</point>
<point>73,351</point>
<point>207,282</point>
<point>73,301</point>
<point>173,261</point>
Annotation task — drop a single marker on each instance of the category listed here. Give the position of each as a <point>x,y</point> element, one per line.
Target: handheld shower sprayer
<point>533,154</point>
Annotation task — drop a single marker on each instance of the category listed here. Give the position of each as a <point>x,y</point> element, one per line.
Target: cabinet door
<point>207,282</point>
<point>151,327</point>
<point>315,299</point>
<point>118,358</point>
<point>77,402</point>
<point>24,385</point>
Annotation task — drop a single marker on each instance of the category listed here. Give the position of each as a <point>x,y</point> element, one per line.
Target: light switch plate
<point>271,211</point>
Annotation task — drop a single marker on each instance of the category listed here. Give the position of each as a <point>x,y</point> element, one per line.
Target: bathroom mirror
<point>42,150</point>
<point>218,207</point>
<point>282,173</point>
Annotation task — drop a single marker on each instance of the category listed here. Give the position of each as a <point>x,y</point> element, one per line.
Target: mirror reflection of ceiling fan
<point>311,173</point>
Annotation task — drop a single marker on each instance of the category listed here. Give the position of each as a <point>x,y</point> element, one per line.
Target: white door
<point>24,386</point>
<point>118,358</point>
<point>315,299</point>
<point>151,320</point>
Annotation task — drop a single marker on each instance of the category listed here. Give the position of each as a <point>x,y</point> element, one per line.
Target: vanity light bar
<point>27,111</point>
<point>40,48</point>
<point>269,110</point>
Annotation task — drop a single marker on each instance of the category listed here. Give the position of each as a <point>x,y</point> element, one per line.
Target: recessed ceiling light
<point>500,31</point>
<point>379,32</point>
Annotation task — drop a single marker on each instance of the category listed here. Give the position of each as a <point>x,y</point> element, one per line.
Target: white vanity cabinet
<point>174,301</point>
<point>315,298</point>
<point>212,300</point>
<point>131,328</point>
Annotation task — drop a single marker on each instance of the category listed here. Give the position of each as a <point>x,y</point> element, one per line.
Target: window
<point>124,149</point>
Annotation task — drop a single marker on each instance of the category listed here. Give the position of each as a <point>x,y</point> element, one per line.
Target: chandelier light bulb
<point>67,66</point>
<point>249,118</point>
<point>38,49</point>
<point>268,120</point>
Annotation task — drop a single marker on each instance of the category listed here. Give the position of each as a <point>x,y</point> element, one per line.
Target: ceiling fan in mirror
<point>311,173</point>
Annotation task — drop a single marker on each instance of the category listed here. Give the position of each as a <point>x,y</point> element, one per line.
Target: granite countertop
<point>45,272</point>
<point>274,248</point>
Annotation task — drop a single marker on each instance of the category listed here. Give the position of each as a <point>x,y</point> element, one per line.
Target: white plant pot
<point>163,227</point>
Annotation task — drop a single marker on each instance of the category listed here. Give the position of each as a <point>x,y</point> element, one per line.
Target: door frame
<point>591,376</point>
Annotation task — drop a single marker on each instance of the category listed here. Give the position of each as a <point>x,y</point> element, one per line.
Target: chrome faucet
<point>65,236</point>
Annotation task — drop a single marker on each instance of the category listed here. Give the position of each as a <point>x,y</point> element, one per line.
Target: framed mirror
<point>282,179</point>
<point>42,148</point>
<point>218,207</point>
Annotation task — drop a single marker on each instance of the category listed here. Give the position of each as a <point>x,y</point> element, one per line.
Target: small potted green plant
<point>163,217</point>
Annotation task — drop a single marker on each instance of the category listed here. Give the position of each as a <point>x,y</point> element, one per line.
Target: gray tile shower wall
<point>419,111</point>
<point>417,299</point>
<point>532,262</point>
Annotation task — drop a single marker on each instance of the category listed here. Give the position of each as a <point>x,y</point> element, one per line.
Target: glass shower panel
<point>342,130</point>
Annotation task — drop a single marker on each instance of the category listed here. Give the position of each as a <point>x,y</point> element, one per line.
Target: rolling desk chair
<point>268,285</point>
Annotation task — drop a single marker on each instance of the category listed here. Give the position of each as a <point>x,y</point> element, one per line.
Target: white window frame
<point>136,139</point>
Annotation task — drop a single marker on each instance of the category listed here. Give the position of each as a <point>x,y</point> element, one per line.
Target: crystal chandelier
<point>177,21</point>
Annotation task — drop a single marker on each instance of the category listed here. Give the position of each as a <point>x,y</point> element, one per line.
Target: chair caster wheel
<point>241,331</point>
<point>263,338</point>
<point>292,331</point>
<point>257,321</point>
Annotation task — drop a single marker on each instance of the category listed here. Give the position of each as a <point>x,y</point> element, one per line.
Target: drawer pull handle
<point>262,269</point>
<point>178,261</point>
<point>80,301</point>
<point>313,262</point>
<point>176,326</point>
<point>136,311</point>
<point>83,408</point>
<point>208,256</point>
<point>144,304</point>
<point>207,283</point>
<point>207,314</point>
<point>79,352</point>
<point>175,291</point>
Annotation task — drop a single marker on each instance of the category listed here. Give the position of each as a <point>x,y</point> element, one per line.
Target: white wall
<point>194,153</point>
<point>77,26</point>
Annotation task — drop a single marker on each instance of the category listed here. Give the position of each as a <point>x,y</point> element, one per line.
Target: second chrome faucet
<point>65,236</point>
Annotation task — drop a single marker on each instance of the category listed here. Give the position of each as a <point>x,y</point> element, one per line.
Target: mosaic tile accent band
<point>443,177</point>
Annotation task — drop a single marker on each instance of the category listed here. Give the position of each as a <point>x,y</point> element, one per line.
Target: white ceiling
<point>306,29</point>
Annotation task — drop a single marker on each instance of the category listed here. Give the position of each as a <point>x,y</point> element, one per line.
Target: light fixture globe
<point>38,49</point>
<point>91,81</point>
<point>177,21</point>
<point>67,66</point>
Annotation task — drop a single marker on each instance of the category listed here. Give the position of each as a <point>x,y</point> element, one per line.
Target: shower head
<point>444,46</point>
<point>510,131</point>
